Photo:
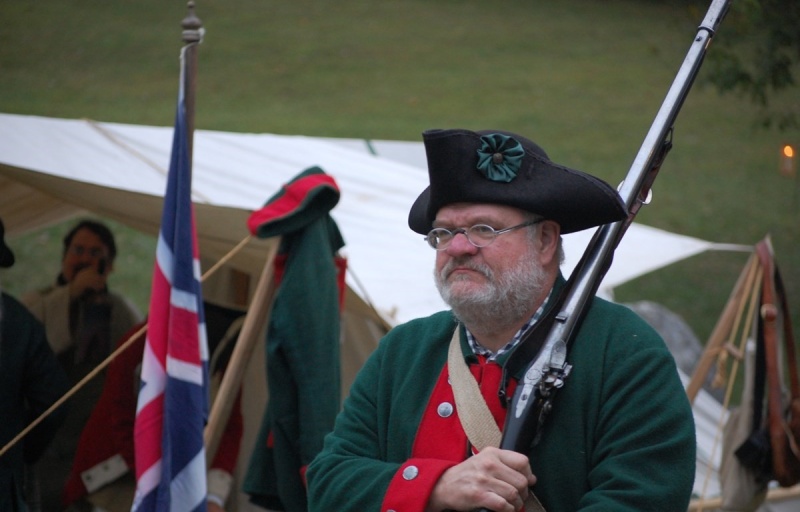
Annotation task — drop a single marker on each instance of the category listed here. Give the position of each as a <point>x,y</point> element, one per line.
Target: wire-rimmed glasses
<point>479,235</point>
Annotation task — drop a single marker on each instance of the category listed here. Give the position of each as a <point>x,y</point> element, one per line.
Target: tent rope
<point>754,272</point>
<point>367,298</point>
<point>105,132</point>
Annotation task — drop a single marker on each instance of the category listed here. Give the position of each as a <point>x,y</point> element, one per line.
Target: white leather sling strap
<point>475,416</point>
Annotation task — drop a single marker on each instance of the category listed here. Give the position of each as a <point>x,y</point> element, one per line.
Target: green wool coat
<point>302,343</point>
<point>620,437</point>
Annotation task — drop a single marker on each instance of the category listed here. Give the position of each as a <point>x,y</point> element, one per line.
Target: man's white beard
<point>502,301</point>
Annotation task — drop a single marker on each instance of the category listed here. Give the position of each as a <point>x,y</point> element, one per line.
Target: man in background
<point>82,319</point>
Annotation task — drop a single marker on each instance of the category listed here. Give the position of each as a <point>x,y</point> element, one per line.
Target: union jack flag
<point>172,407</point>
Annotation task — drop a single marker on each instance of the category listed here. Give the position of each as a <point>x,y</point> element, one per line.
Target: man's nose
<point>460,244</point>
<point>86,257</point>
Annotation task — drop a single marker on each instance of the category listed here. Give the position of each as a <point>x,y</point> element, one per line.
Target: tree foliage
<point>757,55</point>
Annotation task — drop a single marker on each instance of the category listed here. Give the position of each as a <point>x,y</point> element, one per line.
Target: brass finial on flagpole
<point>191,25</point>
<point>192,37</point>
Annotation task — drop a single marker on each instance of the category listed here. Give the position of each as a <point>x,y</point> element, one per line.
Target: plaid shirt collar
<point>480,350</point>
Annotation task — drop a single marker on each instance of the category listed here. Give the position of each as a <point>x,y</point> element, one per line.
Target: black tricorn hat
<point>498,167</point>
<point>6,256</point>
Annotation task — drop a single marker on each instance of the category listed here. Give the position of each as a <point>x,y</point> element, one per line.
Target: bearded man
<point>620,435</point>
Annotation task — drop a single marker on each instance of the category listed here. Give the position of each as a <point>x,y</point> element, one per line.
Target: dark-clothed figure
<point>31,380</point>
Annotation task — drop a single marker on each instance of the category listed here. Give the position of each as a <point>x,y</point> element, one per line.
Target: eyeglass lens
<point>79,250</point>
<point>479,235</point>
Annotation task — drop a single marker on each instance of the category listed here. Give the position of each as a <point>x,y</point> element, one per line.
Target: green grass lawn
<point>584,78</point>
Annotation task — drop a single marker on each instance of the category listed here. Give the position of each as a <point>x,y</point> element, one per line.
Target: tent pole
<point>254,322</point>
<point>720,333</point>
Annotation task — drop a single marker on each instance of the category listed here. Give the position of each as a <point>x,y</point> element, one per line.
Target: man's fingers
<point>509,498</point>
<point>494,479</point>
<point>505,474</point>
<point>509,466</point>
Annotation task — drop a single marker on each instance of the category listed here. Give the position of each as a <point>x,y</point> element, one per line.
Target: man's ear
<point>549,235</point>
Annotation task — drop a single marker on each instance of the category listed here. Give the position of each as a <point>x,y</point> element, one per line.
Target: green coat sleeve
<point>374,434</point>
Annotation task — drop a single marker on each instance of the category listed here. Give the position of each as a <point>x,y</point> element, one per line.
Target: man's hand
<point>213,507</point>
<point>494,479</point>
<point>85,280</point>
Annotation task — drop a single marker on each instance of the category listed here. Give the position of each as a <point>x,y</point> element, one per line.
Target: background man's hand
<point>213,507</point>
<point>87,279</point>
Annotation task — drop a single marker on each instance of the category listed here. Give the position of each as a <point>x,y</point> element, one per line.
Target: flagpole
<point>172,403</point>
<point>192,36</point>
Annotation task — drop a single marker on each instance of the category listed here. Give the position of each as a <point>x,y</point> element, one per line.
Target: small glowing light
<point>787,161</point>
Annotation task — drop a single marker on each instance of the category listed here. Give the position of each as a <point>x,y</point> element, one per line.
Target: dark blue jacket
<point>31,380</point>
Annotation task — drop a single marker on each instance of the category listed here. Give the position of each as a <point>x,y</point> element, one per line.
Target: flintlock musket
<point>543,352</point>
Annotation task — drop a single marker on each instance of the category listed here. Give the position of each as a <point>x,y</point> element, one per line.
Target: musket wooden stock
<point>526,411</point>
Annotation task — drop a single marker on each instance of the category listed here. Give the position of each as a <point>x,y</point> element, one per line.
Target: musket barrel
<point>670,107</point>
<point>596,260</point>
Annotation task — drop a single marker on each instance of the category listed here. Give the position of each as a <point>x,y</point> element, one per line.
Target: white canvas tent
<point>53,168</point>
<point>50,168</point>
